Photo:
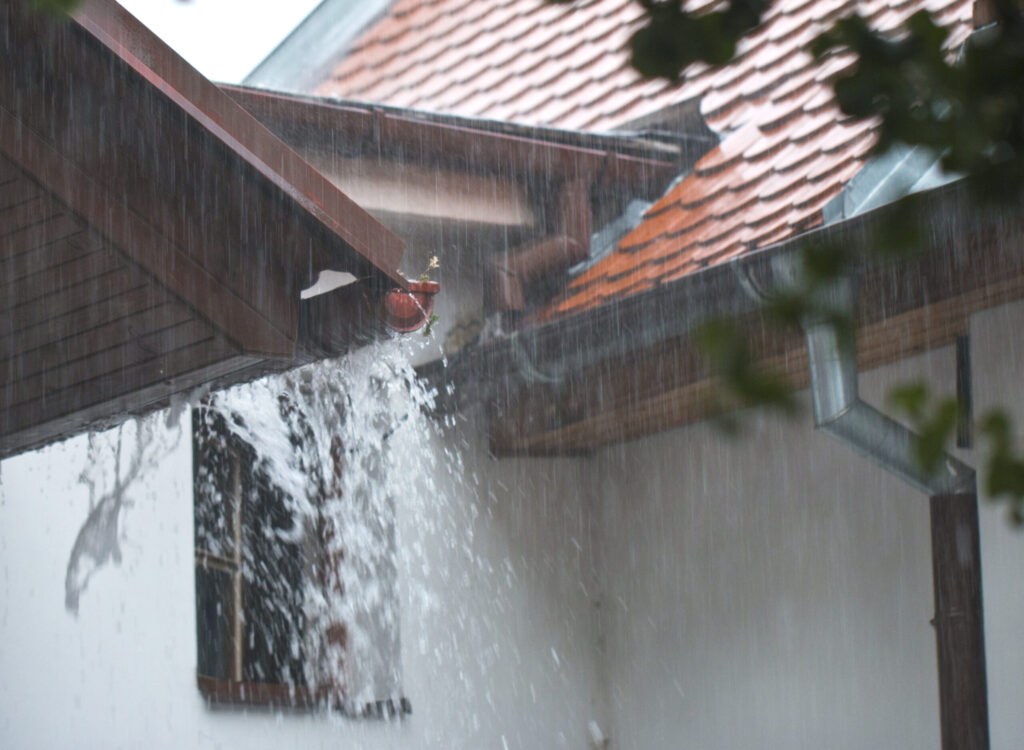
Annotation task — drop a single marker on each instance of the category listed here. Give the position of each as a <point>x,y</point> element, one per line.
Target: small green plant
<point>432,265</point>
<point>428,328</point>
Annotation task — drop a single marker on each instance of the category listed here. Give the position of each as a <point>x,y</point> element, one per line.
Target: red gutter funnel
<point>407,311</point>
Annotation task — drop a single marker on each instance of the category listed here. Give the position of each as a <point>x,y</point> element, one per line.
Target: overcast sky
<point>223,39</point>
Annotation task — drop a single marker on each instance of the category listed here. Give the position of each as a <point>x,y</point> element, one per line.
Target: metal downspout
<point>952,491</point>
<point>840,412</point>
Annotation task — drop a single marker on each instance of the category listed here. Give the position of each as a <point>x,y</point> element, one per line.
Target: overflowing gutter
<point>968,249</point>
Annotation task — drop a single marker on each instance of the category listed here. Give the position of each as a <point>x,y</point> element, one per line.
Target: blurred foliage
<point>966,105</point>
<point>935,421</point>
<point>726,347</point>
<point>1004,469</point>
<point>57,7</point>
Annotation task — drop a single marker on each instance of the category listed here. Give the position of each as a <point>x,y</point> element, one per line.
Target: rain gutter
<point>558,349</point>
<point>951,489</point>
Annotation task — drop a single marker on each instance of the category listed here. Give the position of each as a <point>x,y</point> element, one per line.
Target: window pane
<point>214,622</point>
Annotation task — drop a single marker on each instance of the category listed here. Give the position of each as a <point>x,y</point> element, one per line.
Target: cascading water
<point>296,482</point>
<point>338,441</point>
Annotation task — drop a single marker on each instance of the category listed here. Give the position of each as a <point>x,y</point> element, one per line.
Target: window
<point>280,615</point>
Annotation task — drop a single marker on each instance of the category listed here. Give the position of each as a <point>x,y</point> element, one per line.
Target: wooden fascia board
<point>140,242</point>
<point>242,134</point>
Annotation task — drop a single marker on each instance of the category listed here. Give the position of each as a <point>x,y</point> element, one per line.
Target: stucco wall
<point>497,626</point>
<point>775,590</point>
<point>685,590</point>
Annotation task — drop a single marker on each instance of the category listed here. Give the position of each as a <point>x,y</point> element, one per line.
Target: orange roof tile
<point>785,150</point>
<point>505,59</point>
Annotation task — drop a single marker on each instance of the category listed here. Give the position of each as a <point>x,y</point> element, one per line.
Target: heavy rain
<point>510,375</point>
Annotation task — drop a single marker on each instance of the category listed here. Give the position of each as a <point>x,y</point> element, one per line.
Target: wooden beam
<point>242,135</point>
<point>959,622</point>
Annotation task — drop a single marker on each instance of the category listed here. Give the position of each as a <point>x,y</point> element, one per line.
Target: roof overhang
<point>403,163</point>
<point>154,236</point>
<point>629,368</point>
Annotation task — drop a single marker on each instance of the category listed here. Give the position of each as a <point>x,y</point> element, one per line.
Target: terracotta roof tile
<point>438,56</point>
<point>785,148</point>
<point>769,177</point>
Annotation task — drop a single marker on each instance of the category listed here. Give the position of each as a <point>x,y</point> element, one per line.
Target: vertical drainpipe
<point>953,498</point>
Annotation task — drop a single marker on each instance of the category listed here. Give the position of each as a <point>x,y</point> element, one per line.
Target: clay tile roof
<point>526,61</point>
<point>786,150</point>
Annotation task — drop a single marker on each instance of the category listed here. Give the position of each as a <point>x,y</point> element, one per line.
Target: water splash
<point>342,441</point>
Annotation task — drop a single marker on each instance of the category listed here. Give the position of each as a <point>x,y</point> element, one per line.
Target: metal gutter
<point>556,349</point>
<point>838,408</point>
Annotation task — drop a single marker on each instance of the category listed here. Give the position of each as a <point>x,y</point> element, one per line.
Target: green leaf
<point>910,398</point>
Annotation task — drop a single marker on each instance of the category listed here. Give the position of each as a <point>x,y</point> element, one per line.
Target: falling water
<point>340,441</point>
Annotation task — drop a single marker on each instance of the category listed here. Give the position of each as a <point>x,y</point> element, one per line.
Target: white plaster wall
<point>685,590</point>
<point>497,623</point>
<point>768,591</point>
<point>997,347</point>
<point>776,591</point>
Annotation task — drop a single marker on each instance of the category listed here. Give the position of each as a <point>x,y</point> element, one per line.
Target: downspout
<point>952,491</point>
<point>840,412</point>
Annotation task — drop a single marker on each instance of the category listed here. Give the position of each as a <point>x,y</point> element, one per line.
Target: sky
<point>223,39</point>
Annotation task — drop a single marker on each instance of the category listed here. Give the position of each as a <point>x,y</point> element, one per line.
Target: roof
<point>525,61</point>
<point>309,52</point>
<point>140,212</point>
<point>785,151</point>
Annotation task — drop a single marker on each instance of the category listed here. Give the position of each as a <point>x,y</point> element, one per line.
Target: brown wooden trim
<point>67,350</point>
<point>242,693</point>
<point>27,240</point>
<point>241,133</point>
<point>32,289</point>
<point>23,215</point>
<point>136,350</point>
<point>142,243</point>
<point>959,622</point>
<point>666,387</point>
<point>206,559</point>
<point>113,399</point>
<point>52,253</point>
<point>104,309</point>
<point>477,149</point>
<point>15,191</point>
<point>77,297</point>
